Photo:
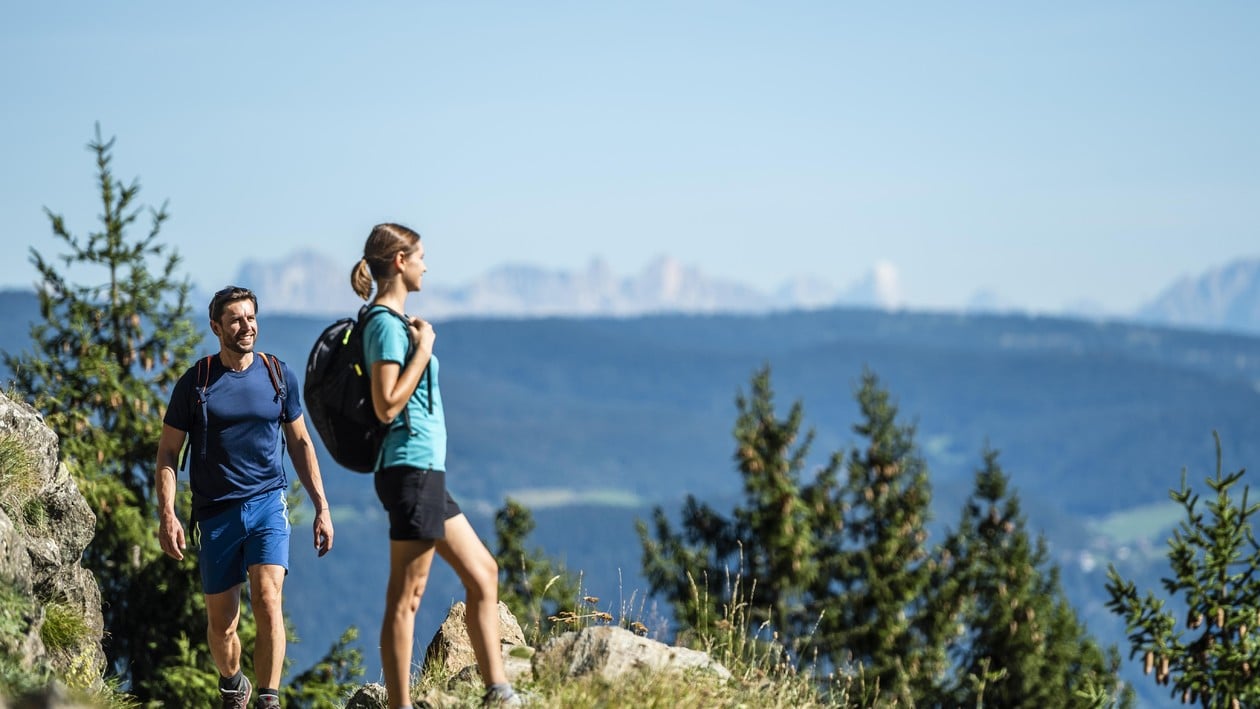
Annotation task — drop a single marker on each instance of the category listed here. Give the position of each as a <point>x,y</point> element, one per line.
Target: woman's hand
<point>422,334</point>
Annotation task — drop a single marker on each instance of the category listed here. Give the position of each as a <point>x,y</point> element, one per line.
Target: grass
<point>64,627</point>
<point>20,484</point>
<point>761,676</point>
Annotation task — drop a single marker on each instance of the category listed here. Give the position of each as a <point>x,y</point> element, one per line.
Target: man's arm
<point>302,453</point>
<point>170,531</point>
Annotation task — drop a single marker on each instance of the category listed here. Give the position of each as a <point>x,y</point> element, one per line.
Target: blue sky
<point>1052,153</point>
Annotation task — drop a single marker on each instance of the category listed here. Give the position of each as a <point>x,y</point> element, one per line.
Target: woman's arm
<point>392,384</point>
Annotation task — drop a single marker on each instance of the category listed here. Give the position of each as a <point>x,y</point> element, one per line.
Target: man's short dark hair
<point>231,294</point>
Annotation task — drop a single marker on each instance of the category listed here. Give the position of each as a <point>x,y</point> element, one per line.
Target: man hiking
<point>237,410</point>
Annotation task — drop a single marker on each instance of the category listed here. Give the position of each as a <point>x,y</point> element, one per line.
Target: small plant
<point>755,654</point>
<point>63,628</point>
<point>20,483</point>
<point>584,615</point>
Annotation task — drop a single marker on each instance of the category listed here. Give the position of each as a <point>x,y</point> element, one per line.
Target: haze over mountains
<point>310,283</point>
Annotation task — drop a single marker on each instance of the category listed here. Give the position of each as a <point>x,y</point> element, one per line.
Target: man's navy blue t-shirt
<point>243,454</point>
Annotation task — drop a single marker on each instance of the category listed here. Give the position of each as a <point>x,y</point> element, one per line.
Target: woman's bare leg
<point>409,564</point>
<point>477,569</point>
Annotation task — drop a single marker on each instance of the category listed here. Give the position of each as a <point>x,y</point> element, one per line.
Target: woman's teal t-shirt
<point>423,443</point>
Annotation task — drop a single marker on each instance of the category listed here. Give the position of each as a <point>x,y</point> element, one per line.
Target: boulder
<point>369,696</point>
<point>373,696</point>
<point>450,651</point>
<point>53,696</point>
<point>40,557</point>
<point>611,652</point>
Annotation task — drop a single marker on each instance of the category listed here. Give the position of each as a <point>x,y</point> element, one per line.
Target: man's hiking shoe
<point>267,701</point>
<point>496,697</point>
<point>236,699</point>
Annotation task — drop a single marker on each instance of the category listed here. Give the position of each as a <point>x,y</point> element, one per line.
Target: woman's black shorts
<point>417,502</point>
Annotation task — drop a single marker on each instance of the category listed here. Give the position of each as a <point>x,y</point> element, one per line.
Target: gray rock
<point>373,696</point>
<point>369,696</point>
<point>15,560</point>
<point>42,560</point>
<point>518,669</point>
<point>450,651</point>
<point>54,696</point>
<point>611,652</point>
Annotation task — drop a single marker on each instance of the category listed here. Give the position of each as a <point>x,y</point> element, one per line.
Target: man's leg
<point>266,584</point>
<point>223,611</point>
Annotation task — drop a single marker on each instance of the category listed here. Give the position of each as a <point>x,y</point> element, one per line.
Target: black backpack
<point>339,396</point>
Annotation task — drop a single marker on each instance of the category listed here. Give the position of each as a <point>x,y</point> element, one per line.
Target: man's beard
<point>237,347</point>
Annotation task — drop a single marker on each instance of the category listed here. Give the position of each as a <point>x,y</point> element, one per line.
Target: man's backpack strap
<point>276,372</point>
<point>201,385</point>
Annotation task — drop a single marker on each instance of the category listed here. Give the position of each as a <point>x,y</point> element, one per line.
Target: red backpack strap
<point>276,372</point>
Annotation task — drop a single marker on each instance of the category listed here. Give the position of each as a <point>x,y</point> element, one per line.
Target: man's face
<point>237,327</point>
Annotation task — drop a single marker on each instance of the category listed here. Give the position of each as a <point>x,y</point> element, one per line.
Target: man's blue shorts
<point>256,532</point>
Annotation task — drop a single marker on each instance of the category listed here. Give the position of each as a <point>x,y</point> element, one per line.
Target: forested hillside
<point>593,421</point>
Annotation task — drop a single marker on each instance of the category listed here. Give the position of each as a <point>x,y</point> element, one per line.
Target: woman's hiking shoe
<point>501,696</point>
<point>237,698</point>
<point>267,701</point>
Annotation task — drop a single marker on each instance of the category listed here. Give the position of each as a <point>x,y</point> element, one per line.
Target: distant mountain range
<point>310,283</point>
<point>1224,298</point>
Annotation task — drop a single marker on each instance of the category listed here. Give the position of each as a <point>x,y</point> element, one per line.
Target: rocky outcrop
<point>607,652</point>
<point>45,524</point>
<point>611,653</point>
<point>450,652</point>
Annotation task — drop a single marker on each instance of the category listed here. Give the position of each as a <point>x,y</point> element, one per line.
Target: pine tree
<point>533,586</point>
<point>105,354</point>
<point>876,574</point>
<point>763,554</point>
<point>1020,642</point>
<point>1215,562</point>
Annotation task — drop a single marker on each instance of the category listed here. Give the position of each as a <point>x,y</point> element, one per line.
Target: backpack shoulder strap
<point>202,382</point>
<point>366,313</point>
<point>201,385</point>
<point>276,372</point>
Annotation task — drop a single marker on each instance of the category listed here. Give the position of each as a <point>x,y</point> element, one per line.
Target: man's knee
<point>266,591</point>
<point>222,623</point>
